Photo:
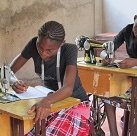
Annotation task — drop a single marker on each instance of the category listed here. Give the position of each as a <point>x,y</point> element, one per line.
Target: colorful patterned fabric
<point>74,121</point>
<point>123,101</point>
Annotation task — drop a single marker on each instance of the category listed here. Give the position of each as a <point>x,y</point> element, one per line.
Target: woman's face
<point>47,48</point>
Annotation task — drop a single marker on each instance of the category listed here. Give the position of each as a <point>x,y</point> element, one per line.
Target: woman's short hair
<point>135,17</point>
<point>52,30</point>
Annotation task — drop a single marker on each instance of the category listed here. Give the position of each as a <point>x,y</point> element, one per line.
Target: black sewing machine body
<point>90,46</point>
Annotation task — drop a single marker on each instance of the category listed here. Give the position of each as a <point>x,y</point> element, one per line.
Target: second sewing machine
<point>89,46</point>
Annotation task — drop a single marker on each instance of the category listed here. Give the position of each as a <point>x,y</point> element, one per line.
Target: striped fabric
<point>74,121</point>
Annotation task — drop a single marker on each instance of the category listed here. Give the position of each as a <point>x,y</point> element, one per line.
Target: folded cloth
<point>74,121</point>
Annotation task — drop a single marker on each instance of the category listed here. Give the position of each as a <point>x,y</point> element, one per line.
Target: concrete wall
<point>20,21</point>
<point>117,14</point>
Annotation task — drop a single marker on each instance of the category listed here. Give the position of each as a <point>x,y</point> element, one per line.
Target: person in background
<point>128,35</point>
<point>55,61</point>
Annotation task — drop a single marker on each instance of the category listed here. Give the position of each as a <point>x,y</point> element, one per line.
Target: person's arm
<point>16,64</point>
<point>27,53</point>
<point>128,63</point>
<point>24,56</point>
<point>68,85</point>
<point>120,37</point>
<point>43,108</point>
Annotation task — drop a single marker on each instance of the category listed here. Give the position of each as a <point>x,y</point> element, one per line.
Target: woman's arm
<point>128,63</point>
<point>17,63</point>
<point>42,109</point>
<point>68,85</point>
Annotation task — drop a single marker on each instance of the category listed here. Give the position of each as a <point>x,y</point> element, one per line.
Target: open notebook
<point>33,92</point>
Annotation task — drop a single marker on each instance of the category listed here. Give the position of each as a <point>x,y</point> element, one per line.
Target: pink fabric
<point>69,122</point>
<point>82,111</point>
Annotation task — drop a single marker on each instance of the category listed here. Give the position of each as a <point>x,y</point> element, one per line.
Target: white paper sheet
<point>34,92</point>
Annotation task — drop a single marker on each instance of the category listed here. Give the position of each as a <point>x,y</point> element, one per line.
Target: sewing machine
<point>90,44</point>
<point>6,78</point>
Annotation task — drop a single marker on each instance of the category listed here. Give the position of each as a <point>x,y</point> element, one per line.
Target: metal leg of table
<point>98,116</point>
<point>133,114</point>
<point>125,130</point>
<point>40,128</point>
<point>17,127</point>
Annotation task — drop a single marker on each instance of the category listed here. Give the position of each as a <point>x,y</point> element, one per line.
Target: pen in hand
<point>23,85</point>
<point>19,86</point>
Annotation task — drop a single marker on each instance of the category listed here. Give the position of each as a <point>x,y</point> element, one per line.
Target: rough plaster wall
<point>21,20</point>
<point>98,17</point>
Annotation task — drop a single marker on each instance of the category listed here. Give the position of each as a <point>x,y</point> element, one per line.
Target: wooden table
<point>110,81</point>
<point>14,115</point>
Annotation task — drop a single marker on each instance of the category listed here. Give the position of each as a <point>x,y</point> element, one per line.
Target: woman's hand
<point>19,86</point>
<point>106,61</point>
<point>41,109</point>
<point>128,63</point>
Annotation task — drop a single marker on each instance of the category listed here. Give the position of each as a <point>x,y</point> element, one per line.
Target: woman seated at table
<point>56,63</point>
<point>129,36</point>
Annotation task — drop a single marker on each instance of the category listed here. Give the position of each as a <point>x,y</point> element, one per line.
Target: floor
<point>119,114</point>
